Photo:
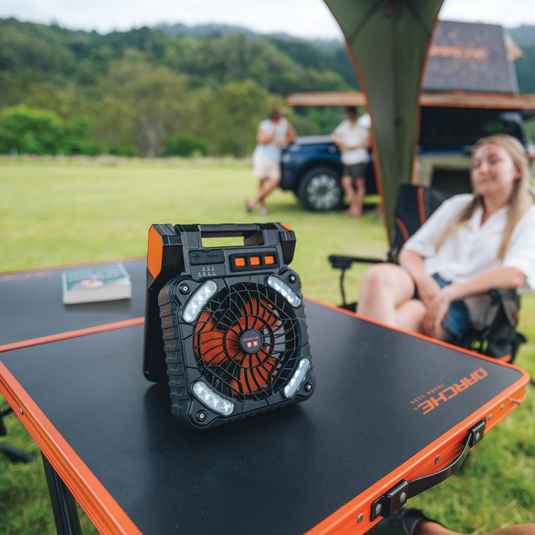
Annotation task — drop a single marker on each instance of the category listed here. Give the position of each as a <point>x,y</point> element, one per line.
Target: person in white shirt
<point>352,138</point>
<point>470,244</point>
<point>272,135</point>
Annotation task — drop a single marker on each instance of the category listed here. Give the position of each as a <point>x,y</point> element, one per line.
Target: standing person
<point>471,244</point>
<point>272,135</point>
<point>352,138</point>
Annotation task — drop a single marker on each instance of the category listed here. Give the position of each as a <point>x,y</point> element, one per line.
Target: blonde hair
<point>520,201</point>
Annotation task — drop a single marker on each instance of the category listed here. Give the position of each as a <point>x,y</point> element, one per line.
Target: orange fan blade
<point>209,341</point>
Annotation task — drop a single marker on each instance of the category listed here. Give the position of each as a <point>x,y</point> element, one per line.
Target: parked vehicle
<point>312,169</point>
<point>311,166</point>
<point>447,136</point>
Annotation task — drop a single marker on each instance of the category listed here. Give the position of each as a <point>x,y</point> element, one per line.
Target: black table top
<point>282,472</point>
<point>32,307</point>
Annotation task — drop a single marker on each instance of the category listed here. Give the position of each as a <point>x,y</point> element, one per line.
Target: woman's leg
<point>386,295</point>
<point>409,316</point>
<point>253,200</point>
<point>272,185</point>
<point>265,187</point>
<point>261,185</point>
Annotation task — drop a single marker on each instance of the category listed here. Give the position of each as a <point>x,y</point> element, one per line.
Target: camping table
<point>389,407</point>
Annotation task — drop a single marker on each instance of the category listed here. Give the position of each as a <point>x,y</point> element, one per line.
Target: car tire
<point>320,190</point>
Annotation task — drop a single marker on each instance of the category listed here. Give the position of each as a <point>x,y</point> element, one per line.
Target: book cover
<point>96,283</point>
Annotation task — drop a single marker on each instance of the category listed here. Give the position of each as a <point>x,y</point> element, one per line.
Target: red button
<point>239,262</point>
<point>269,260</point>
<point>254,260</point>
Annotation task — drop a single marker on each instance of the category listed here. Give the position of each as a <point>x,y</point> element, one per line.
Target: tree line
<point>144,92</point>
<point>162,91</point>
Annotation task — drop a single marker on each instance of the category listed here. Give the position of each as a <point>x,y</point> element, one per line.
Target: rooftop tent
<point>388,42</point>
<point>440,99</point>
<point>468,56</point>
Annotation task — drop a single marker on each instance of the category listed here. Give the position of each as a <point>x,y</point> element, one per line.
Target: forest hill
<point>144,92</point>
<point>152,92</point>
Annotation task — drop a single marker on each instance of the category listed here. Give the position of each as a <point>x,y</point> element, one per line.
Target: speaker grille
<point>229,325</point>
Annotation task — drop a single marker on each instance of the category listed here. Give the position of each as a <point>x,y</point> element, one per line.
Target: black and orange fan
<point>235,341</point>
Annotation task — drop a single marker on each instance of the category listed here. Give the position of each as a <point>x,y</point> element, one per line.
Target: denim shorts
<point>457,321</point>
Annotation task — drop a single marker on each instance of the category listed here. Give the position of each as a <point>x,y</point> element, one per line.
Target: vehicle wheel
<point>320,190</point>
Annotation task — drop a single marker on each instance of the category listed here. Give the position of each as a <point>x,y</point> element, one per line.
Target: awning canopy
<point>458,99</point>
<point>387,41</point>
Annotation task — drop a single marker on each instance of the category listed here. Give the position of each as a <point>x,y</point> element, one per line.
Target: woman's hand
<point>428,288</point>
<point>436,312</point>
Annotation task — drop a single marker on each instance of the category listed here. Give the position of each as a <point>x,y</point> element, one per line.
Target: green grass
<point>63,212</point>
<point>54,214</point>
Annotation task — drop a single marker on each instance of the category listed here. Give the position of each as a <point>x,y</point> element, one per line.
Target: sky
<point>302,18</point>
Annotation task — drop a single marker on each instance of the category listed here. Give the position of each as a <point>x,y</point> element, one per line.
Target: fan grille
<point>218,342</point>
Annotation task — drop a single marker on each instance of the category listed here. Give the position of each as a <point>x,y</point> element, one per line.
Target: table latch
<point>398,495</point>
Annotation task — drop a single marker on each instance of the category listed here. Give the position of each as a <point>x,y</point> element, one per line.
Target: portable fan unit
<point>235,340</point>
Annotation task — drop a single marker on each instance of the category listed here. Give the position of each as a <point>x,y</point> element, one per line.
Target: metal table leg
<point>63,502</point>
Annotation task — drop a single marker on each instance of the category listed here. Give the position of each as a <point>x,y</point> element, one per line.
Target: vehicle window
<point>495,127</point>
<point>453,128</point>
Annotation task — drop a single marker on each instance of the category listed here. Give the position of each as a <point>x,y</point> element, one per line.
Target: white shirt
<point>365,120</point>
<point>271,150</point>
<point>352,135</point>
<point>473,250</point>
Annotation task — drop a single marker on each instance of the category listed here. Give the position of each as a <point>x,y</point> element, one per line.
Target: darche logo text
<point>446,393</point>
<point>460,52</point>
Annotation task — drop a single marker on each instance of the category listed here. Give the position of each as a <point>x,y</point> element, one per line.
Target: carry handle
<point>398,495</point>
<point>252,234</point>
<point>228,230</point>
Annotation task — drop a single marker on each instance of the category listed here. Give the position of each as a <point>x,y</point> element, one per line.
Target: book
<point>96,283</point>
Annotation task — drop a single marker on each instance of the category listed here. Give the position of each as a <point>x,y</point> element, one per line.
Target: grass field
<point>70,211</point>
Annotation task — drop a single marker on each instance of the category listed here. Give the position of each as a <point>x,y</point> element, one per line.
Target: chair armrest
<point>345,262</point>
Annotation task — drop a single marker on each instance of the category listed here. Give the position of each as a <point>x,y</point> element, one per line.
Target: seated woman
<point>470,244</point>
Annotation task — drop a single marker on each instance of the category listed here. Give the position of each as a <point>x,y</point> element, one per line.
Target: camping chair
<point>414,205</point>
